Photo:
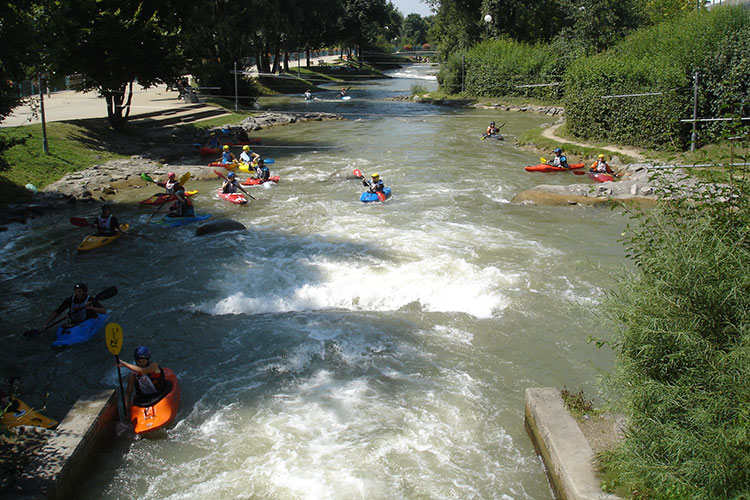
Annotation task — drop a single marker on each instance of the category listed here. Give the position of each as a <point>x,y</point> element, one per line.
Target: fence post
<point>694,136</point>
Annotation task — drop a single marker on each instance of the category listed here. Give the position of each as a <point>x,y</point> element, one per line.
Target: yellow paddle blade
<point>185,177</point>
<point>113,337</point>
<point>543,160</point>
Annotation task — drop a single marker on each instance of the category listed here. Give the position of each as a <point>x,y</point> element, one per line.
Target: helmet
<point>226,147</point>
<point>82,286</point>
<point>557,150</point>
<point>245,148</point>
<point>170,175</point>
<point>492,123</point>
<point>261,161</point>
<point>375,176</point>
<point>230,175</point>
<point>106,206</point>
<point>142,352</point>
<point>343,89</point>
<point>600,156</point>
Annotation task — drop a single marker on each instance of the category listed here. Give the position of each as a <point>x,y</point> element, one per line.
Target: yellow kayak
<point>93,241</point>
<point>20,413</point>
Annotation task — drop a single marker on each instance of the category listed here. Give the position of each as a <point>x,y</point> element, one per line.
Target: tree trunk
<point>276,54</point>
<point>114,100</point>
<point>307,56</point>
<point>286,62</point>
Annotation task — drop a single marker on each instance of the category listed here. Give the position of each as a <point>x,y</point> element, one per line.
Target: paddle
<point>241,188</point>
<point>182,180</point>
<point>107,293</point>
<point>379,194</point>
<point>113,338</point>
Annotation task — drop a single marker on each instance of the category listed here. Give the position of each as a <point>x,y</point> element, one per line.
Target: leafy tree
<point>457,24</point>
<point>363,21</point>
<point>19,53</point>
<point>663,10</point>
<point>595,25</point>
<point>415,29</point>
<point>113,43</point>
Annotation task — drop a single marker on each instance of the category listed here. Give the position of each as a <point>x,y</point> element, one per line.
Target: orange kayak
<point>160,410</point>
<point>546,167</point>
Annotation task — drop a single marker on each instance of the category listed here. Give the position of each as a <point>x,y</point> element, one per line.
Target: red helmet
<point>170,175</point>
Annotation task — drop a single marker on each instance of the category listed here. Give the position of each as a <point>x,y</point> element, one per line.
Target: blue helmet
<point>142,352</point>
<point>557,150</point>
<point>230,175</point>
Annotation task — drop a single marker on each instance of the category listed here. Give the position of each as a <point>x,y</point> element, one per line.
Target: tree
<point>113,43</point>
<point>19,53</point>
<point>415,29</point>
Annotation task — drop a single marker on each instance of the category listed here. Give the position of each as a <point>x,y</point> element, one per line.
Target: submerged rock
<point>219,226</point>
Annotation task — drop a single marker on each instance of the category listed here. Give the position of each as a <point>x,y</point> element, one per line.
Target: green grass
<point>574,152</point>
<point>73,146</point>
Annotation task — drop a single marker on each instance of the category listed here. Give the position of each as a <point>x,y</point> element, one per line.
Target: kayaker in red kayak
<point>80,307</point>
<point>231,184</point>
<point>147,377</point>
<point>213,142</point>
<point>560,160</point>
<point>262,171</point>
<point>172,185</point>
<point>106,224</point>
<point>600,166</point>
<point>227,156</point>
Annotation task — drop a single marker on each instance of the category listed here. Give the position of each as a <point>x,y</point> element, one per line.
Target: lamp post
<point>488,20</point>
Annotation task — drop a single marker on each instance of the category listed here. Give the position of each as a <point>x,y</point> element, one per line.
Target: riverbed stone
<point>219,226</point>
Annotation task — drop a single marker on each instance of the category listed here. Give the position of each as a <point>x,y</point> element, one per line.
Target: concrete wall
<point>561,443</point>
<point>66,457</point>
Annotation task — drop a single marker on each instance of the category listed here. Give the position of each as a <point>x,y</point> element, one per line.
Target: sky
<point>412,6</point>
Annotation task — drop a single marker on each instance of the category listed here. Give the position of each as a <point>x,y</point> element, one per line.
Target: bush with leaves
<point>682,347</point>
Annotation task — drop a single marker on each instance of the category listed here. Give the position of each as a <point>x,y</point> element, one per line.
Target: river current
<point>337,349</point>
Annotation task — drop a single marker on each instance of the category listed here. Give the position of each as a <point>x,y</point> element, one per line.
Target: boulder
<point>219,226</point>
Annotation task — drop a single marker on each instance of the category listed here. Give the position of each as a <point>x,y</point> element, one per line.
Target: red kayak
<point>237,198</point>
<point>546,167</point>
<point>600,176</point>
<point>255,182</point>
<point>160,198</point>
<point>228,166</point>
<point>148,413</point>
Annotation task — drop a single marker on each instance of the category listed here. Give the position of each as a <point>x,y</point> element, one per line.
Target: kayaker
<point>248,156</point>
<point>375,184</point>
<point>171,184</point>
<point>106,224</point>
<point>80,307</point>
<point>213,142</point>
<point>341,94</point>
<point>147,378</point>
<point>227,156</point>
<point>182,206</point>
<point>230,185</point>
<point>560,160</point>
<point>261,170</point>
<point>491,130</point>
<point>308,95</point>
<point>600,166</point>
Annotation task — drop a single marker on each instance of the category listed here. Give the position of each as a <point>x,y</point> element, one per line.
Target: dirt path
<point>549,133</point>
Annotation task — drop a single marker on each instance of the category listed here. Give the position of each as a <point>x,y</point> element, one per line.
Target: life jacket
<point>601,167</point>
<point>226,157</point>
<point>245,157</point>
<point>230,186</point>
<point>170,185</point>
<point>77,311</point>
<point>151,383</point>
<point>264,173</point>
<point>104,224</point>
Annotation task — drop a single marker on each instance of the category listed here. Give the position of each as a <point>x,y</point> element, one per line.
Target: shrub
<point>683,348</point>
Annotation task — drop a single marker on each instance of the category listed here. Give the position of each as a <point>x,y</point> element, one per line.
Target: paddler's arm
<point>150,368</point>
<point>65,305</point>
<point>96,307</point>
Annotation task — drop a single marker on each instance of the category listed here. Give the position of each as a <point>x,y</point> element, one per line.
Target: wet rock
<point>219,226</point>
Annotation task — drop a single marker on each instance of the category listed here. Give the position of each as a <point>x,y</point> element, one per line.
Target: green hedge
<point>663,59</point>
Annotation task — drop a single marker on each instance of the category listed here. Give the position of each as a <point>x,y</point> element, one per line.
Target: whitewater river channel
<point>336,350</point>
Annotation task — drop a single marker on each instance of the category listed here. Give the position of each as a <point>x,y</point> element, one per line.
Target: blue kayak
<point>81,332</point>
<point>367,196</point>
<point>182,221</point>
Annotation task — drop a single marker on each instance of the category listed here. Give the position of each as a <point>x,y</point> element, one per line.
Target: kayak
<point>81,332</point>
<point>497,137</point>
<point>228,166</point>
<point>345,98</point>
<point>177,221</point>
<point>19,413</point>
<point>148,413</point>
<point>546,167</point>
<point>368,197</point>
<point>237,198</point>
<point>255,182</point>
<point>95,241</point>
<point>160,198</point>
<point>600,176</point>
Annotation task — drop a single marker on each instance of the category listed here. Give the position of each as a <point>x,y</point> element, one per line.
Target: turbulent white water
<point>339,350</point>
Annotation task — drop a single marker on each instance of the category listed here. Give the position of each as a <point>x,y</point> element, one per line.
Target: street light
<point>488,20</point>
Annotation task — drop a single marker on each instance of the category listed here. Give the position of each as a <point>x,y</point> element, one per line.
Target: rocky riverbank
<point>100,181</point>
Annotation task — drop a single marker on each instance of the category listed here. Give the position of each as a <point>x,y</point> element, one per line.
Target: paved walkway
<point>72,105</point>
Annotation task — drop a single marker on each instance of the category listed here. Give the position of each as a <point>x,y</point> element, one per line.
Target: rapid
<point>336,350</point>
